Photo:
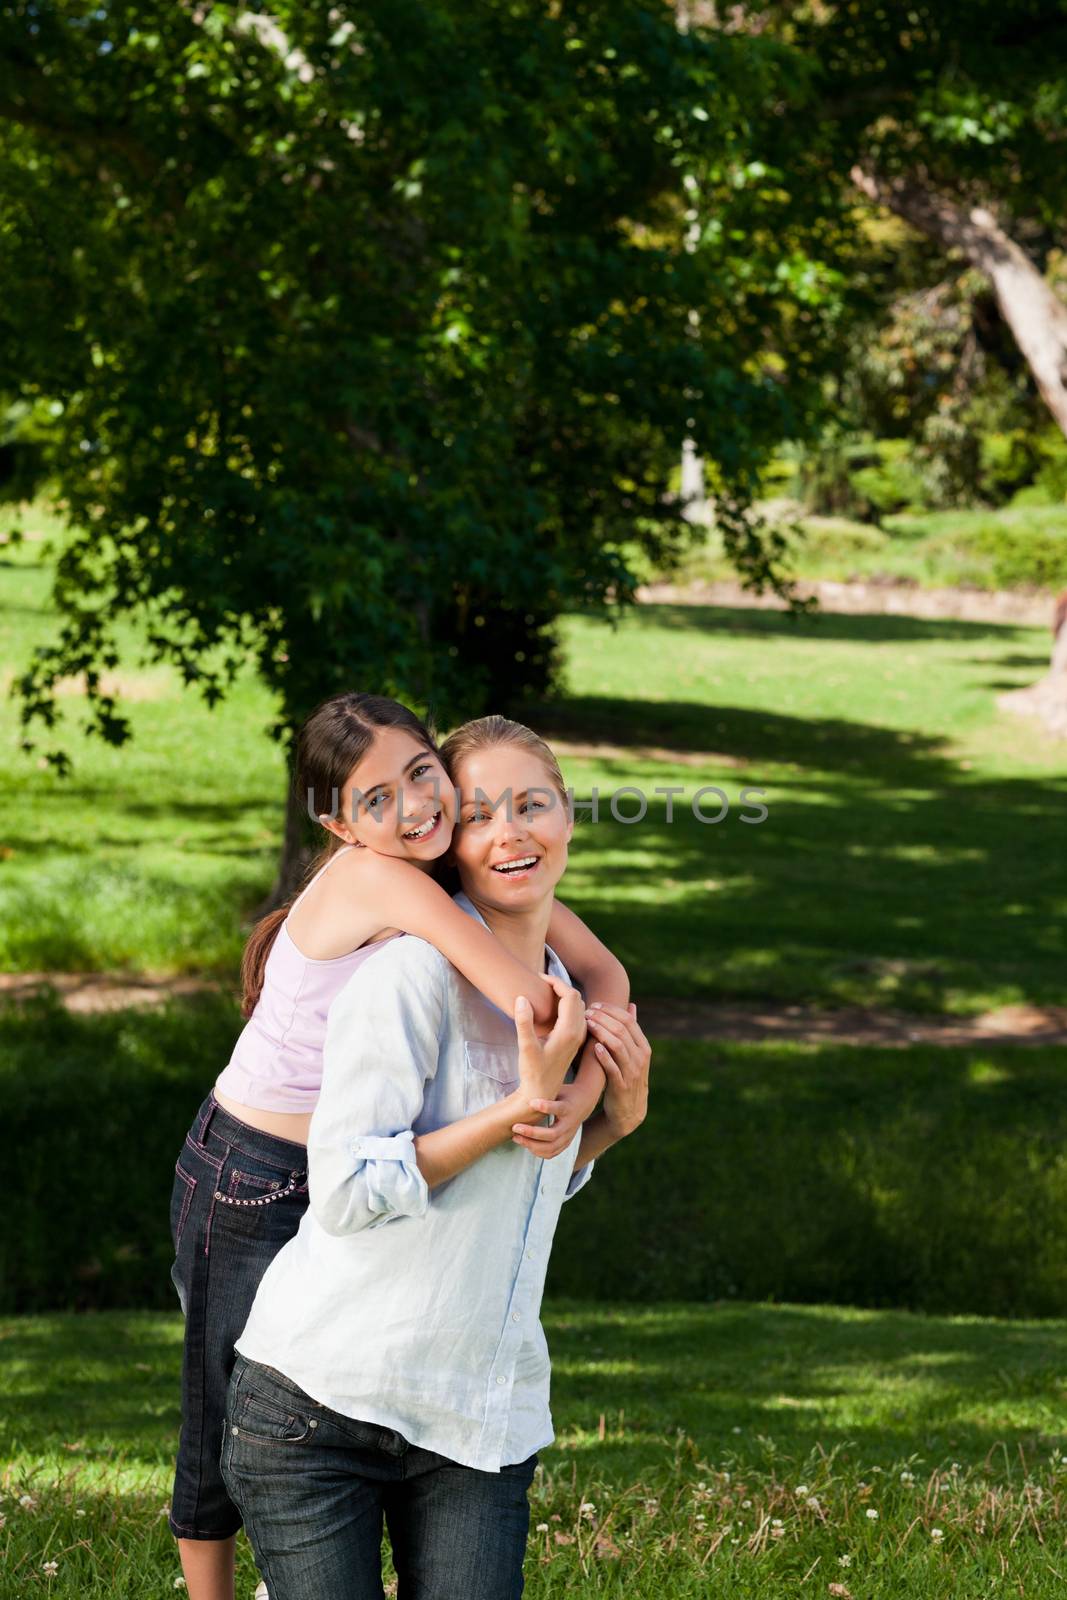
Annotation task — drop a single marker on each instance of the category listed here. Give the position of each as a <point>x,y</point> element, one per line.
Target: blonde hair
<point>487,733</point>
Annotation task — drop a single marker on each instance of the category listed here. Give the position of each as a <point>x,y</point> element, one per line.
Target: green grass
<point>912,856</point>
<point>1017,547</point>
<point>727,1450</point>
<point>935,1179</point>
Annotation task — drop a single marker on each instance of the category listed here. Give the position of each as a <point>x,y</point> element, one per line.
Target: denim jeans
<point>238,1197</point>
<point>315,1487</point>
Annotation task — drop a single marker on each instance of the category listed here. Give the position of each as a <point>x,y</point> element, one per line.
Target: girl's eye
<point>377,801</point>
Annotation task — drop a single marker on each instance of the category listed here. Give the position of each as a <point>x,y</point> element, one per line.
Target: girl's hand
<point>543,1063</point>
<point>570,1108</point>
<point>625,1055</point>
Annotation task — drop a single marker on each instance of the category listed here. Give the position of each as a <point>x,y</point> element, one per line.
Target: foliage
<point>961,101</point>
<point>371,325</point>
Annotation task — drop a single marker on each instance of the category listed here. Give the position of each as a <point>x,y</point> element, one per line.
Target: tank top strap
<point>324,868</point>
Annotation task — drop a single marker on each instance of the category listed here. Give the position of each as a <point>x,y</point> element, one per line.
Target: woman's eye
<point>532,805</point>
<point>426,767</point>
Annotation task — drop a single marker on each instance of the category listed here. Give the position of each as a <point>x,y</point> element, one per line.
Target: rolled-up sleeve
<point>382,1045</point>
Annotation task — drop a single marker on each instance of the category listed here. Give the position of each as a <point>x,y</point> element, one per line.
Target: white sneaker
<point>261,1593</point>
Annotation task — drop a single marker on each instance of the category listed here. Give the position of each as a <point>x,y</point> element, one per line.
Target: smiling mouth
<point>424,830</point>
<point>516,868</point>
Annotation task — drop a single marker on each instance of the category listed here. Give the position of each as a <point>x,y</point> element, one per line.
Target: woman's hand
<point>570,1108</point>
<point>543,1063</point>
<point>625,1055</point>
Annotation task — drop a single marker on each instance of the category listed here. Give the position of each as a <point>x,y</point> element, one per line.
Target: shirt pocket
<point>492,1074</point>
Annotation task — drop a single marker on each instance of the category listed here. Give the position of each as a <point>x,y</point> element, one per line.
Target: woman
<point>375,778</point>
<point>394,1367</point>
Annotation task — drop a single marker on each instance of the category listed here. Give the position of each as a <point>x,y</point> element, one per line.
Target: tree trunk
<point>1059,637</point>
<point>1033,312</point>
<point>295,855</point>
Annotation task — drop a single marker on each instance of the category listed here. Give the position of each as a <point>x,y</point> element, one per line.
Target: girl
<point>394,1367</point>
<point>371,771</point>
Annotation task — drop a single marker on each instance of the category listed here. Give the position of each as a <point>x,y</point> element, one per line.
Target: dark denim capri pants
<point>238,1197</point>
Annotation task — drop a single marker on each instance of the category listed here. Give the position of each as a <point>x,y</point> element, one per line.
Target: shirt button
<point>529,1255</point>
<point>544,1190</point>
<point>358,1146</point>
<point>515,1317</point>
<point>501,1380</point>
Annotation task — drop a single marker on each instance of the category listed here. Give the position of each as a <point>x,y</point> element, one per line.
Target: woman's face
<point>512,828</point>
<point>397,800</point>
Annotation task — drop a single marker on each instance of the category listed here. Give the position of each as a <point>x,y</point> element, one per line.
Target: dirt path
<point>883,599</point>
<point>90,992</point>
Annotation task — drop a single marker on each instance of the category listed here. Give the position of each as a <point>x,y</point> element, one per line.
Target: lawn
<point>912,853</point>
<point>731,1450</point>
<point>1013,547</point>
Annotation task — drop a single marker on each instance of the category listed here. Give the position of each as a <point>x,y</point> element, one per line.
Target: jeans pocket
<point>181,1199</point>
<point>265,1420</point>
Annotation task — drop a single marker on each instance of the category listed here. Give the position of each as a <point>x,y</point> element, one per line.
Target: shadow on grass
<point>858,628</point>
<point>744,1383</point>
<point>884,873</point>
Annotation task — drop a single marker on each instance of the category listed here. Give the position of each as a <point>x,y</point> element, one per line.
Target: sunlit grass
<point>738,1450</point>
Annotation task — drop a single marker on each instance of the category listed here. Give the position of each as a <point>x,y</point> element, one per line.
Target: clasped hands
<point>619,1047</point>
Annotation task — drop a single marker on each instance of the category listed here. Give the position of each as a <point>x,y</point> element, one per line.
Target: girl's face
<point>512,828</point>
<point>397,800</point>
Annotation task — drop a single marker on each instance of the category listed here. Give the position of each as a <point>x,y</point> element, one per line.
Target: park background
<point>540,358</point>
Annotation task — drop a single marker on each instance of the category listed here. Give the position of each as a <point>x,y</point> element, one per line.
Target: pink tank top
<point>277,1061</point>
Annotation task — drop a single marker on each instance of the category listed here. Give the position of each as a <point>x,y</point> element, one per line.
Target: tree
<point>953,117</point>
<point>369,326</point>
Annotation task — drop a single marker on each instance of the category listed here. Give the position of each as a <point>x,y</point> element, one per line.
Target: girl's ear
<point>333,826</point>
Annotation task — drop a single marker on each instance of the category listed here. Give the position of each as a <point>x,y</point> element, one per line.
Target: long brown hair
<point>332,740</point>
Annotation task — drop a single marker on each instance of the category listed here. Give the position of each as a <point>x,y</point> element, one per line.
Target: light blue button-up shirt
<point>415,1310</point>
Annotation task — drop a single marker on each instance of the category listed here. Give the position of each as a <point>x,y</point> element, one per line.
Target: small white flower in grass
<point>78,1512</point>
<point>776,1522</point>
<point>936,1535</point>
<point>872,1515</point>
<point>812,1503</point>
<point>802,1489</point>
<point>49,1568</point>
<point>907,1477</point>
<point>746,1505</point>
<point>164,1511</point>
<point>542,1527</point>
<point>735,1541</point>
<point>179,1583</point>
<point>700,1517</point>
<point>844,1561</point>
